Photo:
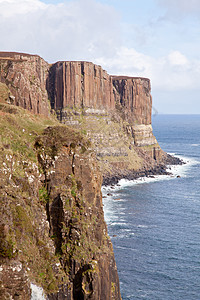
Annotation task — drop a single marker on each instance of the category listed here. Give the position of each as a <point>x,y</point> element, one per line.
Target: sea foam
<point>111,192</point>
<point>174,170</point>
<point>37,293</point>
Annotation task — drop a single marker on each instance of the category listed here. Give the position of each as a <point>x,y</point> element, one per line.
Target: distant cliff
<point>113,111</point>
<point>133,98</point>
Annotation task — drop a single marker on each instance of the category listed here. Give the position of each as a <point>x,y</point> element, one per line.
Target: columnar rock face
<point>133,98</point>
<point>25,76</point>
<point>83,85</point>
<point>80,85</point>
<point>133,101</point>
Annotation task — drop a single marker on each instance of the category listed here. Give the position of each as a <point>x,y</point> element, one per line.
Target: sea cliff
<point>52,228</point>
<point>115,114</point>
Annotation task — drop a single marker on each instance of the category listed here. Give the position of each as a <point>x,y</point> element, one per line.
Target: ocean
<point>154,223</point>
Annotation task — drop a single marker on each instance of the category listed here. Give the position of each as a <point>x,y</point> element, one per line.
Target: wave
<point>142,226</point>
<point>111,193</point>
<point>182,170</point>
<point>174,170</point>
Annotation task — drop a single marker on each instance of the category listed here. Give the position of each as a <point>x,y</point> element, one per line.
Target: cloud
<point>170,73</point>
<point>89,30</point>
<point>182,6</point>
<point>10,8</point>
<point>71,30</point>
<point>177,59</point>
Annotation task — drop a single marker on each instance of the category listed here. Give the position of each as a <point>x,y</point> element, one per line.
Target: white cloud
<point>171,72</point>
<point>10,8</point>
<point>126,61</point>
<point>177,59</point>
<point>78,29</point>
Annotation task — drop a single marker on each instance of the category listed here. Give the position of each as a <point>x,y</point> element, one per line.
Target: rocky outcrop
<point>28,81</point>
<point>25,77</point>
<point>143,135</point>
<point>76,215</point>
<point>52,229</point>
<point>88,88</point>
<point>80,85</point>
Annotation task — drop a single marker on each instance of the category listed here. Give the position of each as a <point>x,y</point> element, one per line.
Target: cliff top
<point>121,77</point>
<point>15,55</point>
<point>19,55</point>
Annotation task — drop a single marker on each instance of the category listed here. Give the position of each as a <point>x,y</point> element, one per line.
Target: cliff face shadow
<point>56,221</point>
<point>50,85</point>
<point>82,281</point>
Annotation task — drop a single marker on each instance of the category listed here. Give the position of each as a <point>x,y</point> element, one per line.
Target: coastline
<point>159,169</point>
<point>172,171</point>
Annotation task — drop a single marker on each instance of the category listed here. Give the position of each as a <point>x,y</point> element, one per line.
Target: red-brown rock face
<point>80,85</point>
<point>76,215</point>
<point>73,85</point>
<point>25,76</point>
<point>85,85</point>
<point>133,98</point>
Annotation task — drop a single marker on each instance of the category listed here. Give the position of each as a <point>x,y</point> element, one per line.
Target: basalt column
<point>134,103</point>
<point>80,85</point>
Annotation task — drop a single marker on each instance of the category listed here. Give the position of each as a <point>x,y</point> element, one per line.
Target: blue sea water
<point>154,224</point>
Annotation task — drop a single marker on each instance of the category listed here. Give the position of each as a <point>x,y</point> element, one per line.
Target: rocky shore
<point>160,169</point>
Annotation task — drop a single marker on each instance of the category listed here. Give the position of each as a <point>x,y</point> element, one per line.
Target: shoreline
<point>175,171</point>
<point>160,169</point>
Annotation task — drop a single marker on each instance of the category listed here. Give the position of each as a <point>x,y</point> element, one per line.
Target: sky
<point>157,39</point>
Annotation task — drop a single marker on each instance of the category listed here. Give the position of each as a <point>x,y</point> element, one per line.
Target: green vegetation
<point>21,199</point>
<point>4,93</point>
<point>54,138</point>
<point>18,130</point>
<point>7,245</point>
<point>113,287</point>
<point>43,195</point>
